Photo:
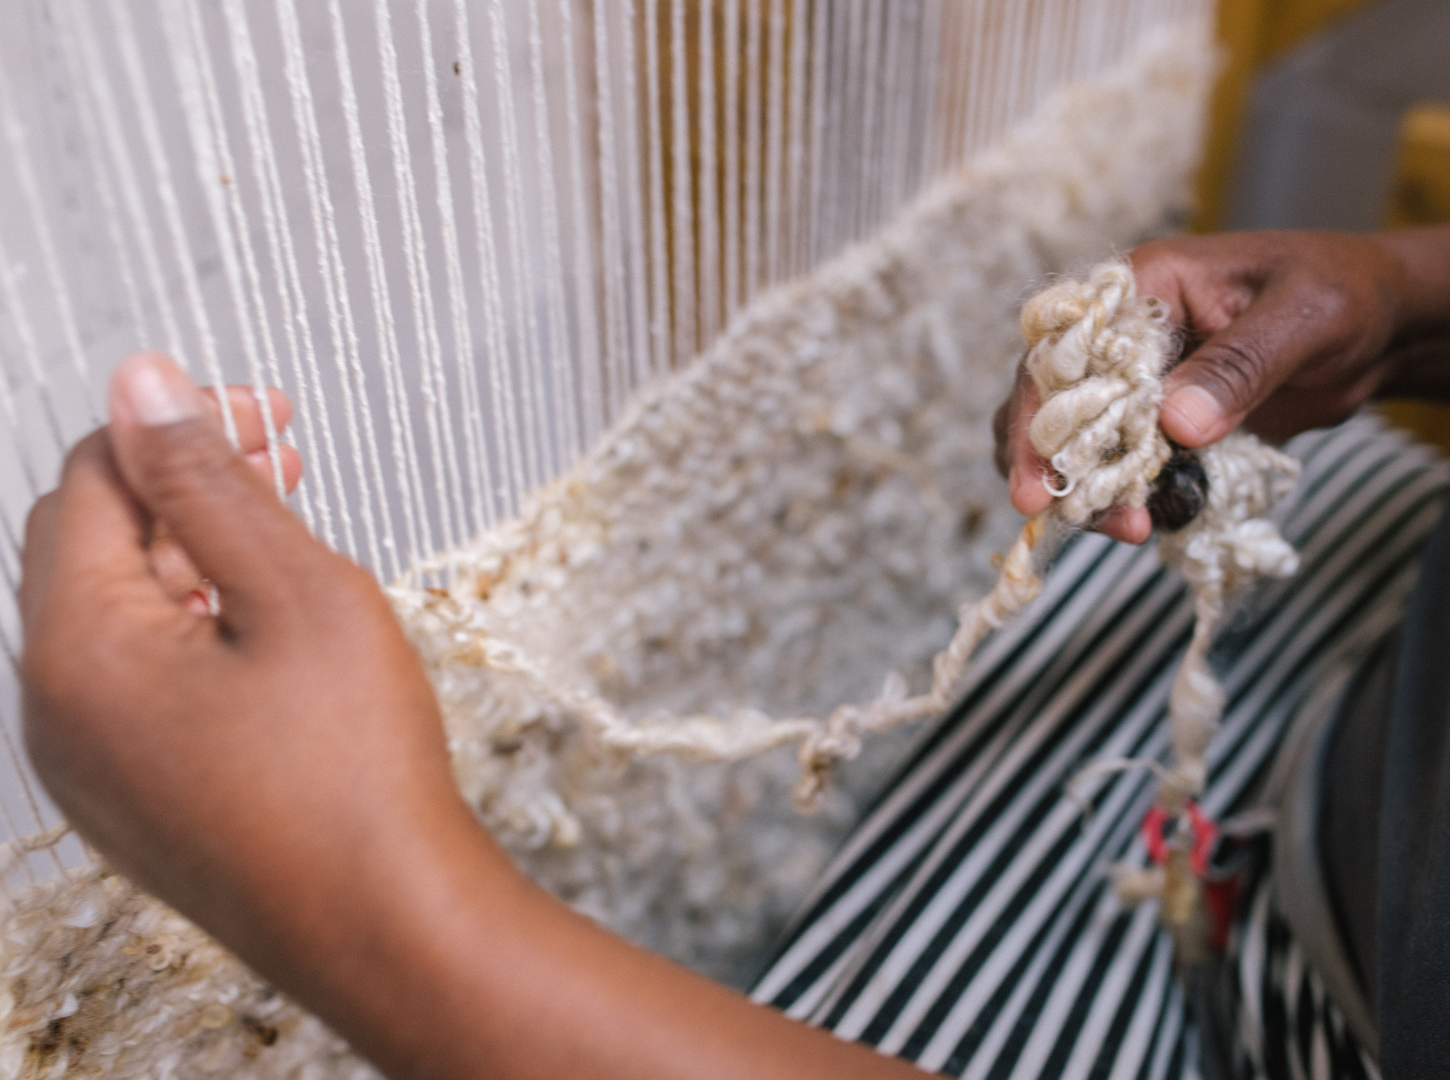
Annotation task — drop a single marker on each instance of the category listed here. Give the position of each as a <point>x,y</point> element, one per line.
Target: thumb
<point>1231,374</point>
<point>178,464</point>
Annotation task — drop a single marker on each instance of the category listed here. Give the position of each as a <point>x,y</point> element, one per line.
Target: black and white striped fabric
<point>1287,1025</point>
<point>968,923</point>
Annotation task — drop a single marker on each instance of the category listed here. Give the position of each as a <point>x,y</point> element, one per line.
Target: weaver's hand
<point>279,774</point>
<point>242,767</point>
<point>1282,332</point>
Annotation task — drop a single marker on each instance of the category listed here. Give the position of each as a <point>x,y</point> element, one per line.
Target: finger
<point>174,568</point>
<point>248,416</point>
<point>1130,524</point>
<point>180,467</point>
<point>1030,473</point>
<point>290,461</point>
<point>84,541</point>
<point>1001,430</point>
<point>251,426</point>
<point>1210,393</point>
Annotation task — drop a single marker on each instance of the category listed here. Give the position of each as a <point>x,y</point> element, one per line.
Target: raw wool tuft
<point>787,524</point>
<point>142,992</point>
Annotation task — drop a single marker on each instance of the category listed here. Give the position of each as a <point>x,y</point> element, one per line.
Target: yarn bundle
<point>1097,355</point>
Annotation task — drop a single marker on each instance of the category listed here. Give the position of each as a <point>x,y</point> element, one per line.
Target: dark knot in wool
<point>1179,493</point>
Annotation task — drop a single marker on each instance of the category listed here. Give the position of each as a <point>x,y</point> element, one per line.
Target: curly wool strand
<point>1097,355</point>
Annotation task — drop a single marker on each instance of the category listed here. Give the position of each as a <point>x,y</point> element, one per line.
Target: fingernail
<point>155,391</point>
<point>1199,410</point>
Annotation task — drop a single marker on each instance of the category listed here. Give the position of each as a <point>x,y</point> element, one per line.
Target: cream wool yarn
<point>769,532</point>
<point>1228,547</point>
<point>1097,355</point>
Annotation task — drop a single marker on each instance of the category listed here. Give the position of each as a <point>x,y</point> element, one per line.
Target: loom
<point>645,350</point>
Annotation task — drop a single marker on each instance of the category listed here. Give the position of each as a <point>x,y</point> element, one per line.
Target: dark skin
<point>1281,331</point>
<point>279,772</point>
<point>280,775</point>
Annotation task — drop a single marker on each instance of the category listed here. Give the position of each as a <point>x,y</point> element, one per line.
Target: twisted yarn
<point>1096,352</point>
<point>1227,547</point>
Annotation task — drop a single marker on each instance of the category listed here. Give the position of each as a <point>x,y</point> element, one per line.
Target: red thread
<point>1202,829</point>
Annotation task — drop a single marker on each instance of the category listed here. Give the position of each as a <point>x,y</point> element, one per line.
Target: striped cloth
<point>1287,1025</point>
<point>968,924</point>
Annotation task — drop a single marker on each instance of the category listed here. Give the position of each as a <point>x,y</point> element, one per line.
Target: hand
<point>279,774</point>
<point>259,770</point>
<point>1283,331</point>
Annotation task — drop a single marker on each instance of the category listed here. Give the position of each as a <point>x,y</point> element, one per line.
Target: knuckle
<point>1165,256</point>
<point>37,522</point>
<point>92,452</point>
<point>1328,306</point>
<point>335,586</point>
<point>1147,253</point>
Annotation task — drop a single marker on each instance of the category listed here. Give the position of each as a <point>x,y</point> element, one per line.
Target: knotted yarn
<point>1097,356</point>
<point>1228,546</point>
<point>1097,352</point>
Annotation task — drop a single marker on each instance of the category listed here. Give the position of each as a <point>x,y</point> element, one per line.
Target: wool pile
<point>789,524</point>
